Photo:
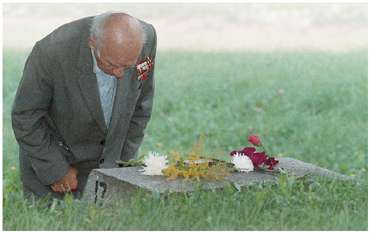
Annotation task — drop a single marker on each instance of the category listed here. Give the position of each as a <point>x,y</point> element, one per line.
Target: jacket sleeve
<point>142,112</point>
<point>29,114</point>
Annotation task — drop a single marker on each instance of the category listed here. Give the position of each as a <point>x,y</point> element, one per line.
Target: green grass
<point>321,118</point>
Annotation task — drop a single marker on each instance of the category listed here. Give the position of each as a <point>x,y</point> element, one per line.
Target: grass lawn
<point>306,105</point>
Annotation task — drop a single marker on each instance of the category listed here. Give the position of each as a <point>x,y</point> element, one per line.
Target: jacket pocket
<point>86,152</point>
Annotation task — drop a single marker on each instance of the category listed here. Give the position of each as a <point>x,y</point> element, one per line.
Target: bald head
<point>119,28</point>
<point>117,38</point>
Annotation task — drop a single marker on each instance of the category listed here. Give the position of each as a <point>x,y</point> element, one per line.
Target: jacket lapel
<point>123,101</point>
<point>89,85</point>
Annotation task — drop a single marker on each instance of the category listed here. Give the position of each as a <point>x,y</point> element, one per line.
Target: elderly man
<point>84,101</point>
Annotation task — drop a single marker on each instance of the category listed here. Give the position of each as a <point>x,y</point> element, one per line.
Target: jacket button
<point>102,142</point>
<point>101,161</point>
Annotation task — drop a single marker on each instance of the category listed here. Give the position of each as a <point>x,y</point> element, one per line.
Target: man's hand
<point>67,183</point>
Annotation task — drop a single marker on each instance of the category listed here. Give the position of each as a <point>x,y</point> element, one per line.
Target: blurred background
<point>205,26</point>
<point>295,74</point>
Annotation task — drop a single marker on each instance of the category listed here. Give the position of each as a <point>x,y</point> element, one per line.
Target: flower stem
<point>265,150</point>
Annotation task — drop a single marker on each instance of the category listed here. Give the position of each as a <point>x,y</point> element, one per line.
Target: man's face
<point>115,61</point>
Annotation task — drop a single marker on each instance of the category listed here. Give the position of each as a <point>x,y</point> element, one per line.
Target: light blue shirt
<point>107,89</point>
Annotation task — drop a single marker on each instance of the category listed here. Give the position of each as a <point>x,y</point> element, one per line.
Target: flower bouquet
<point>248,156</point>
<point>196,165</point>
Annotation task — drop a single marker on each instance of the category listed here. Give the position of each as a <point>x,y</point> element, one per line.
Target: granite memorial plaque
<point>107,184</point>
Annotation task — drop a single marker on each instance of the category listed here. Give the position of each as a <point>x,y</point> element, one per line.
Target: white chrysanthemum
<point>154,163</point>
<point>242,162</point>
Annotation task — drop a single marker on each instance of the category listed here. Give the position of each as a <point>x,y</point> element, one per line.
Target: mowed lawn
<point>306,105</point>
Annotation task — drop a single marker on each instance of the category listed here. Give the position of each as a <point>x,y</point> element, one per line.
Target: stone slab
<point>106,184</point>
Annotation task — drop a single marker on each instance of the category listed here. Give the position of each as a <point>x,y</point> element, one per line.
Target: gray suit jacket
<point>57,117</point>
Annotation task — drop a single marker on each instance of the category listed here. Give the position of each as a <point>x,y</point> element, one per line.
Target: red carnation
<point>248,151</point>
<point>258,158</point>
<point>271,162</point>
<point>254,139</point>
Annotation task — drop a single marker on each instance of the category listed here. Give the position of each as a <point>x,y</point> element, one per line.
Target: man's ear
<point>92,42</point>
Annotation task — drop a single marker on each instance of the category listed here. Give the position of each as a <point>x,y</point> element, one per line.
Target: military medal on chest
<point>144,68</point>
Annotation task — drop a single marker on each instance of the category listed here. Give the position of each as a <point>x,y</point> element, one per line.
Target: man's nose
<point>118,73</point>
